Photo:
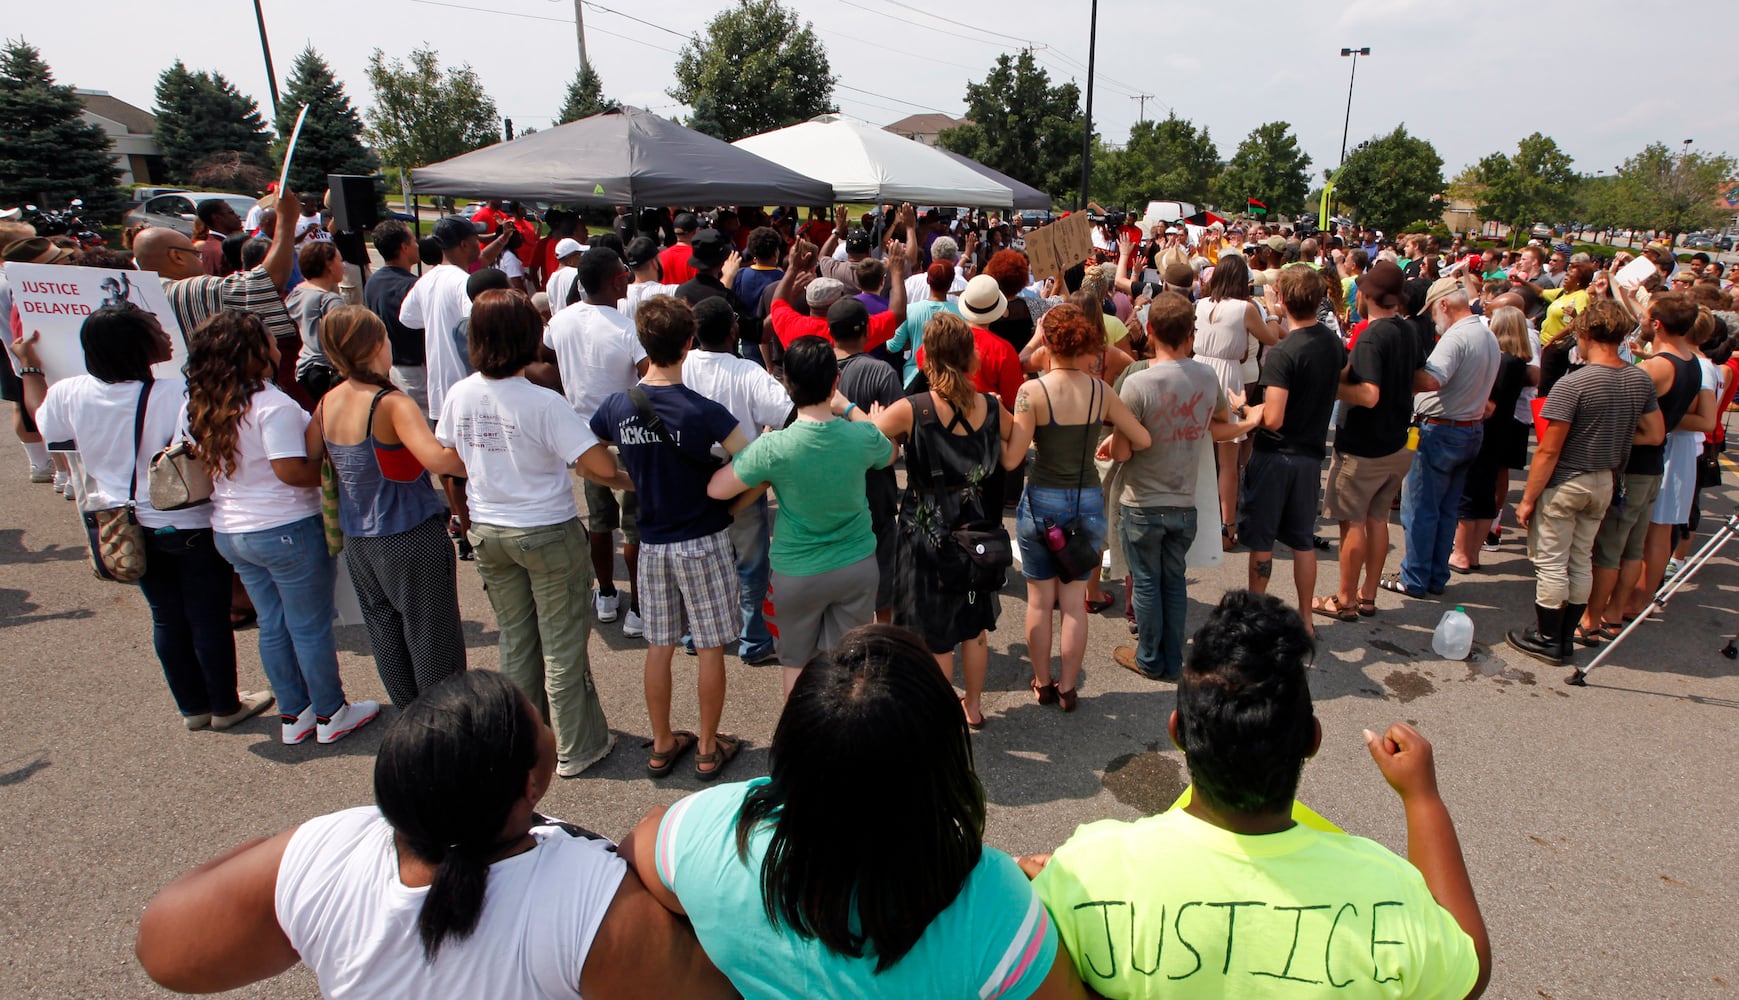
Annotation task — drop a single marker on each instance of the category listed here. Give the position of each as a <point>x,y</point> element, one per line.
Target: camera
<point>1115,220</point>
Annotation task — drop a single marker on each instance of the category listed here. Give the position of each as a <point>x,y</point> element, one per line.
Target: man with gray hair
<point>1451,417</point>
<point>944,248</point>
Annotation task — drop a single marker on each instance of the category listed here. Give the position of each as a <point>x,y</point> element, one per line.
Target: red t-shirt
<point>817,231</point>
<point>675,262</point>
<point>489,218</point>
<point>999,368</point>
<point>530,246</point>
<point>789,324</point>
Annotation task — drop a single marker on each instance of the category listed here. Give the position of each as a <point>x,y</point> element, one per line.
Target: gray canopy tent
<point>1025,195</point>
<point>626,157</point>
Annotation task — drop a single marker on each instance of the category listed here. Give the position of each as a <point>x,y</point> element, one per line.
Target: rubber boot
<point>1542,642</point>
<point>1567,637</point>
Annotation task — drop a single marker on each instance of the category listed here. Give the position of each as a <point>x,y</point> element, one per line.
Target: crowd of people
<point>737,396</point>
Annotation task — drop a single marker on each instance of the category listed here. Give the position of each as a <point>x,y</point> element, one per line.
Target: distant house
<point>924,128</point>
<point>132,135</point>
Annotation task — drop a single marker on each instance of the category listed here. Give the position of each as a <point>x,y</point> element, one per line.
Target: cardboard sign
<point>54,300</point>
<point>1059,246</point>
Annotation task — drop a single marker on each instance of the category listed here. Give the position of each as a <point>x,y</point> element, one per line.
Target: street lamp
<point>1355,53</point>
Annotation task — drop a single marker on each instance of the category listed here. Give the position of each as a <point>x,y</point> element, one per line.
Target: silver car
<point>176,211</point>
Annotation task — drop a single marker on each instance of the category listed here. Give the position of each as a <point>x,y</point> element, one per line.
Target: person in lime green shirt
<point>823,551</point>
<point>1229,895</point>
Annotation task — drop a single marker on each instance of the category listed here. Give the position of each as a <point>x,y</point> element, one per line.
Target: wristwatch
<point>30,371</point>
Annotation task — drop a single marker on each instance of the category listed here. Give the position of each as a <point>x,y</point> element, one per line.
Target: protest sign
<point>1059,246</point>
<point>1633,274</point>
<point>54,300</point>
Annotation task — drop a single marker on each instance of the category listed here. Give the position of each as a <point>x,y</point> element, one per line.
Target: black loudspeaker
<point>353,202</point>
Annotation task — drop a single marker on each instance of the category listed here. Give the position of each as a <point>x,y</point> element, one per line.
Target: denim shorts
<point>1059,506</point>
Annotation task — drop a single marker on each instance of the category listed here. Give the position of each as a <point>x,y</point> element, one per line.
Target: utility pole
<point>580,29</point>
<point>266,47</point>
<point>1087,133</point>
<point>1141,115</point>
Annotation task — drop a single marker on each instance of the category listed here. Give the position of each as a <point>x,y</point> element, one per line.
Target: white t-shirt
<point>597,351</point>
<point>435,305</point>
<point>95,418</point>
<point>511,265</point>
<point>340,902</point>
<point>558,286</point>
<point>517,441</point>
<point>640,292</point>
<point>254,498</point>
<point>739,385</point>
<point>918,286</point>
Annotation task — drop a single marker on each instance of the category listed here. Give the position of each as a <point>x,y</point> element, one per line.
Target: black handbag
<point>974,556</point>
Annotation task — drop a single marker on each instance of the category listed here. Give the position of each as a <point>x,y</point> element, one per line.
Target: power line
<point>541,17</point>
<point>890,97</point>
<point>631,17</point>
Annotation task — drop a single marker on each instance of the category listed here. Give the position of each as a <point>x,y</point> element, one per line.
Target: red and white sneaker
<point>297,727</point>
<point>353,716</point>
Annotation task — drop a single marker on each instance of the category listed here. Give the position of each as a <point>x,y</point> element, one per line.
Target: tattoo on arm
<point>1022,403</point>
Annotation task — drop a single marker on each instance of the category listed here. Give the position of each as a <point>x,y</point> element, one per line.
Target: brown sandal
<point>1045,693</point>
<point>659,764</point>
<point>1066,699</point>
<point>725,749</point>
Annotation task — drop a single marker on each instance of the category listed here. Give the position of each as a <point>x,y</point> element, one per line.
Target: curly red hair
<point>1069,333</point>
<point>1011,271</point>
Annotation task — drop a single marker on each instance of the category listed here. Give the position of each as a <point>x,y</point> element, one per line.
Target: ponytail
<point>454,903</point>
<point>350,336</point>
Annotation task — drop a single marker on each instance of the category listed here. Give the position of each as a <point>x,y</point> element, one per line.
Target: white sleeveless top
<point>1220,329</point>
<point>340,902</point>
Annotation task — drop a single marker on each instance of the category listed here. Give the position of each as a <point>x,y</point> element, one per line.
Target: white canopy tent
<point>865,163</point>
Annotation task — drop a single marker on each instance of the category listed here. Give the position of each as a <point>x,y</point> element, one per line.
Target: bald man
<point>196,296</point>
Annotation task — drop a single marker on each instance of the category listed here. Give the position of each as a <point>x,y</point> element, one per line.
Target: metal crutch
<point>1663,595</point>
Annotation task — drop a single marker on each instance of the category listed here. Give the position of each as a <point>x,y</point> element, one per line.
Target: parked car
<point>1700,241</point>
<point>1540,231</point>
<point>176,210</point>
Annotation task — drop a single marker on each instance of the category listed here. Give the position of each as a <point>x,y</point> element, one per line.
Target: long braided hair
<point>229,358</point>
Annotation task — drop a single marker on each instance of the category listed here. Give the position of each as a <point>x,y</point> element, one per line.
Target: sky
<point>1595,76</point>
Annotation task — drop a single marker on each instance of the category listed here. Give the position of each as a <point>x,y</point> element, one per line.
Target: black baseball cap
<point>641,251</point>
<point>858,241</point>
<point>685,222</point>
<point>452,231</point>
<point>711,248</point>
<point>847,319</point>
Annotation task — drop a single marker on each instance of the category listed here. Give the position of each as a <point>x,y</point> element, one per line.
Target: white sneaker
<point>575,768</point>
<point>60,480</point>
<point>607,607</point>
<point>297,728</point>
<point>632,626</point>
<point>353,716</point>
<point>43,474</point>
<point>253,703</point>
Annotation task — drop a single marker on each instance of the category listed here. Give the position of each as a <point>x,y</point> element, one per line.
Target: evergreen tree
<point>585,97</point>
<point>204,121</point>
<point>331,140</point>
<point>48,154</point>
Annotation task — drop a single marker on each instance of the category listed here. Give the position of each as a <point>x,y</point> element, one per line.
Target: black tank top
<point>1650,459</point>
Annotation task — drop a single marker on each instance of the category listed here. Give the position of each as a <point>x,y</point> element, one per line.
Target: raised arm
<point>281,257</point>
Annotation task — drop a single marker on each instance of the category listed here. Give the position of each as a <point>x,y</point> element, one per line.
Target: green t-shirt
<point>817,471</point>
<point>1170,906</point>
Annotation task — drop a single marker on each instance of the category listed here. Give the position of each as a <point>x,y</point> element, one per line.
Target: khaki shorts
<point>1622,531</point>
<point>608,509</point>
<point>1363,489</point>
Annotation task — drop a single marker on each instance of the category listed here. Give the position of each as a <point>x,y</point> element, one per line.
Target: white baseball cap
<point>568,247</point>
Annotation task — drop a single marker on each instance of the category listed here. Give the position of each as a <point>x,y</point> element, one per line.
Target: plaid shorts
<point>699,575</point>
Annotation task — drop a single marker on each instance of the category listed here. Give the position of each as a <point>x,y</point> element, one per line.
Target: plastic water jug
<point>1453,639</point>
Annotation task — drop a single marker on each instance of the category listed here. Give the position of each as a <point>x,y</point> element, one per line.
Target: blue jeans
<point>1431,501</point>
<point>751,533</point>
<point>288,575</point>
<point>1155,541</point>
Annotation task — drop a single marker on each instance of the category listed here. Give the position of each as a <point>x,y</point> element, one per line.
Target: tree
<point>1169,159</point>
<point>1020,124</point>
<point>1268,167</point>
<point>420,116</point>
<point>331,140</point>
<point>1392,180</point>
<point>585,97</point>
<point>202,116</point>
<point>758,68</point>
<point>1673,192</point>
<point>50,155</point>
<point>1534,184</point>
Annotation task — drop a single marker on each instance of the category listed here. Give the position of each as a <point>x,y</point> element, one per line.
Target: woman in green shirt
<point>823,552</point>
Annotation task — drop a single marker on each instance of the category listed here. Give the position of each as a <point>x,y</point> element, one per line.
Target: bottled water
<point>1453,639</point>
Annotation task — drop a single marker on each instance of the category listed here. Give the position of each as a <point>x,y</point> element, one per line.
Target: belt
<point>1441,421</point>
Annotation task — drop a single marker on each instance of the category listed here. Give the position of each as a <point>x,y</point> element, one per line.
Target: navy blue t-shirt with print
<point>674,506</point>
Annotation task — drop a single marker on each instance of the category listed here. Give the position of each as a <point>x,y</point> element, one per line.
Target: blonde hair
<point>1510,325</point>
<point>948,354</point>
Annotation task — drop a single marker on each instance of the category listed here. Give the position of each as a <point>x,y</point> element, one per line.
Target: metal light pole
<point>266,48</point>
<point>1355,53</point>
<point>1087,133</point>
